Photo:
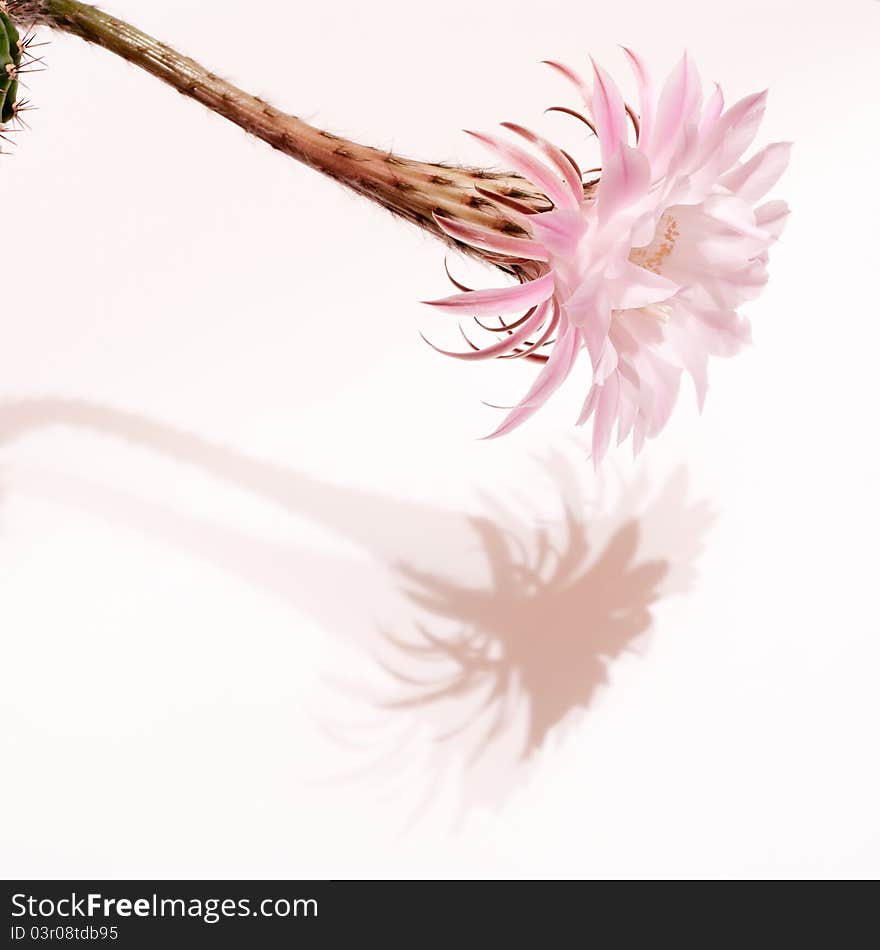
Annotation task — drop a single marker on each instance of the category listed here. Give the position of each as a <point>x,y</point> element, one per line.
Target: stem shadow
<point>492,631</point>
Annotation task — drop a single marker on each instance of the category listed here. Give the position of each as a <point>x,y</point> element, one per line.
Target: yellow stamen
<point>653,256</point>
<point>660,311</point>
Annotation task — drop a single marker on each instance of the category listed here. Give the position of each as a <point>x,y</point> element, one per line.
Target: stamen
<point>660,311</point>
<point>654,254</point>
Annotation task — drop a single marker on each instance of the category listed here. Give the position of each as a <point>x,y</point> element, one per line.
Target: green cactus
<point>10,60</point>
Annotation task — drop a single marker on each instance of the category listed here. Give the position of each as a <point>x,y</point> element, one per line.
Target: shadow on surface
<point>492,629</point>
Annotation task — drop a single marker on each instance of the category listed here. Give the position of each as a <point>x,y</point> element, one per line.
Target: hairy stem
<point>413,189</point>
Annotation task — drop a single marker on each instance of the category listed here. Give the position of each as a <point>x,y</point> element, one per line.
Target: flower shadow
<point>488,677</point>
<point>546,629</point>
<point>494,630</point>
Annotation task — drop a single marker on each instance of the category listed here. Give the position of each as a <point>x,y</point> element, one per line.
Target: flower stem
<point>413,189</point>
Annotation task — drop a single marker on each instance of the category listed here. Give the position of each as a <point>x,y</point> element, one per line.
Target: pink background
<point>235,484</point>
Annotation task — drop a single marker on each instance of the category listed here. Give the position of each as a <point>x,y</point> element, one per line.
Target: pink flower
<point>646,271</point>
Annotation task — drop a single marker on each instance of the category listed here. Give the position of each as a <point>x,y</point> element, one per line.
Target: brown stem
<point>413,189</point>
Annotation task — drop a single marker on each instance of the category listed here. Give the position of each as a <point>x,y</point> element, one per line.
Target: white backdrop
<point>235,485</point>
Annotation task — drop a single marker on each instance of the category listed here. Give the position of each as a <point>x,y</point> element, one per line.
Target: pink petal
<point>712,111</point>
<point>677,106</point>
<point>487,303</point>
<point>551,377</point>
<point>590,404</point>
<point>664,381</point>
<point>772,217</point>
<point>760,173</point>
<point>646,96</point>
<point>609,113</point>
<point>559,162</point>
<point>734,132</point>
<point>489,240</point>
<point>734,214</point>
<point>590,311</point>
<point>574,78</point>
<point>691,352</point>
<point>607,363</point>
<point>629,401</point>
<point>529,167</point>
<point>559,232</point>
<point>625,180</point>
<point>548,331</point>
<point>638,287</point>
<point>508,343</point>
<point>728,331</point>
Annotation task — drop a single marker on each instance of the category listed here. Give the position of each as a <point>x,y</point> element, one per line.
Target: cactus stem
<point>415,190</point>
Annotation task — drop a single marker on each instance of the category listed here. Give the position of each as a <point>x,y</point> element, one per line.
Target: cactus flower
<point>637,267</point>
<point>645,274</point>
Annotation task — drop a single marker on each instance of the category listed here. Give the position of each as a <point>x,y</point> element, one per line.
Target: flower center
<point>652,256</point>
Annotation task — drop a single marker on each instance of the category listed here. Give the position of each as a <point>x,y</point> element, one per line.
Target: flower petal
<point>734,214</point>
<point>734,132</point>
<point>590,311</point>
<point>772,217</point>
<point>487,303</point>
<point>760,173</point>
<point>638,287</point>
<point>590,403</point>
<point>574,78</point>
<point>712,110</point>
<point>558,160</point>
<point>609,113</point>
<point>529,167</point>
<point>646,96</point>
<point>488,240</point>
<point>629,401</point>
<point>676,109</point>
<point>625,180</point>
<point>505,345</point>
<point>551,377</point>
